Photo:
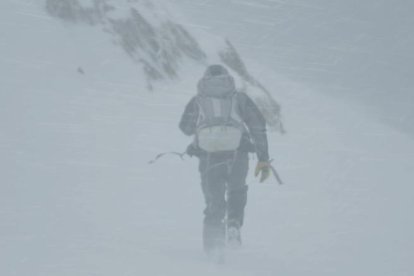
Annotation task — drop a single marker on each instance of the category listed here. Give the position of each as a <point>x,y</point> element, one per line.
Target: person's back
<point>226,125</point>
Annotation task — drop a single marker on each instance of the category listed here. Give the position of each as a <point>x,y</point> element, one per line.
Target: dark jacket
<point>255,140</point>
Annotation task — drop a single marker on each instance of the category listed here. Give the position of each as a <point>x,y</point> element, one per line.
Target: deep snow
<point>78,196</point>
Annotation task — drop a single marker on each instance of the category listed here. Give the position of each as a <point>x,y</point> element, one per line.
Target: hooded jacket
<point>218,83</point>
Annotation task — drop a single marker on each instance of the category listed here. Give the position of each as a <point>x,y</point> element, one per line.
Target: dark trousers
<point>223,181</point>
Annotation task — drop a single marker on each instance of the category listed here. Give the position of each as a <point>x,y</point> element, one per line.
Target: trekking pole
<point>158,156</point>
<point>279,180</point>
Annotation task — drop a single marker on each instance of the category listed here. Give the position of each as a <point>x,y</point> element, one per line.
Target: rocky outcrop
<point>158,46</point>
<point>270,109</point>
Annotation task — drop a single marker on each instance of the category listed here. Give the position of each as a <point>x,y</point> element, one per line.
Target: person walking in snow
<point>226,125</point>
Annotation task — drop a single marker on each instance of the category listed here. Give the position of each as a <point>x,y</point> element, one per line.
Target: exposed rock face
<point>158,45</point>
<point>71,10</point>
<point>268,106</point>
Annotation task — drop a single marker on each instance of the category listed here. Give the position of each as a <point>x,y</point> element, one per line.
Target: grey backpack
<point>219,126</point>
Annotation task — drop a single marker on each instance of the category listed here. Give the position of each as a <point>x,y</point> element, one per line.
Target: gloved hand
<point>192,150</point>
<point>262,167</point>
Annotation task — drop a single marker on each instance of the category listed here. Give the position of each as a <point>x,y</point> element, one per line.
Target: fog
<point>353,50</point>
<point>93,91</point>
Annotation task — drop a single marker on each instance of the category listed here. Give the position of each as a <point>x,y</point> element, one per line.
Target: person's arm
<point>189,118</point>
<point>256,125</point>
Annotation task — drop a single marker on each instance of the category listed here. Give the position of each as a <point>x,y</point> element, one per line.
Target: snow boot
<point>214,241</point>
<point>234,240</point>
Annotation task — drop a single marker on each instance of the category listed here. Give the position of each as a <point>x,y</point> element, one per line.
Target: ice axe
<point>179,154</point>
<point>276,175</point>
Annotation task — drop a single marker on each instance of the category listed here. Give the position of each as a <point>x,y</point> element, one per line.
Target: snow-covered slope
<point>144,30</point>
<point>78,197</point>
<point>361,51</point>
<point>159,44</point>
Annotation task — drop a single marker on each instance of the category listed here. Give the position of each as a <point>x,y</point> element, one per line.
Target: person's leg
<point>213,176</point>
<point>237,190</point>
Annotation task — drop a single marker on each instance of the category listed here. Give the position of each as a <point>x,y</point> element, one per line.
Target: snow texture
<point>79,125</point>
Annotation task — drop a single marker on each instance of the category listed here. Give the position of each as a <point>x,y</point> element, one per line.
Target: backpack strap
<point>226,106</point>
<point>235,110</point>
<point>206,113</point>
